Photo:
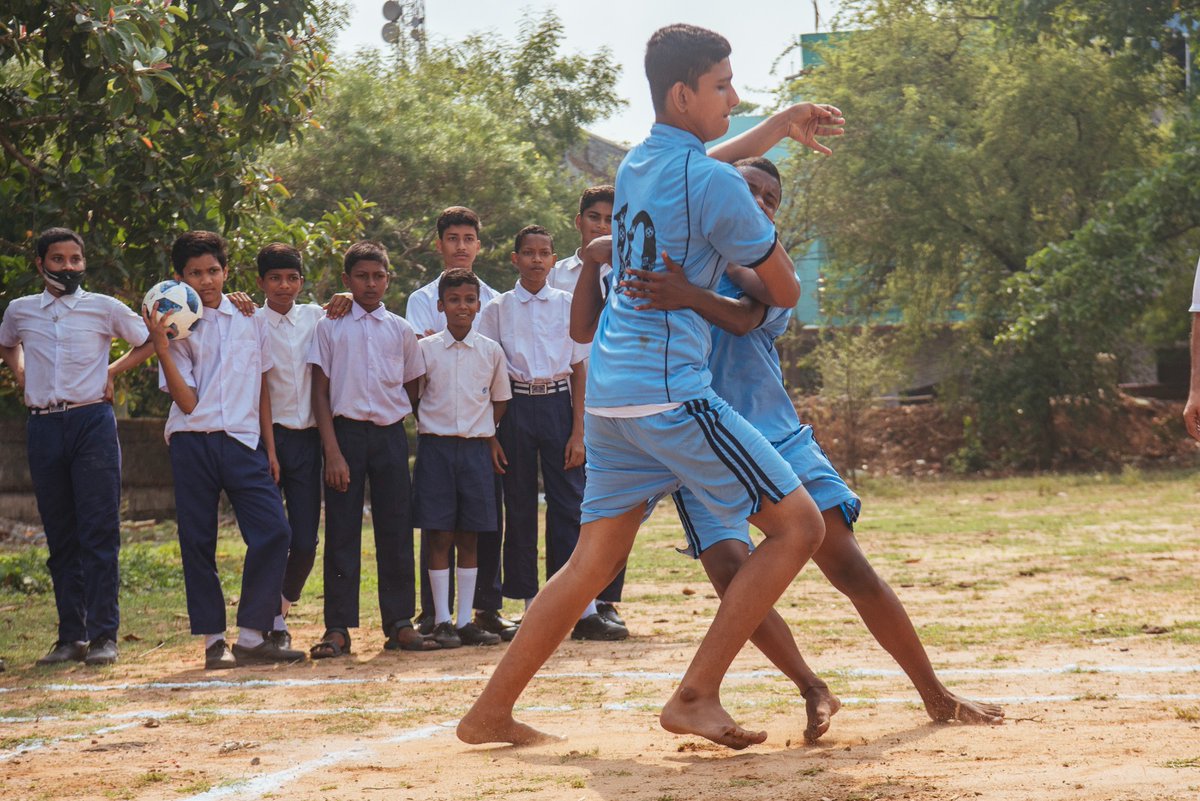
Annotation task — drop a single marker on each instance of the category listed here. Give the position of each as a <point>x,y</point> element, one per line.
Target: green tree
<point>484,123</point>
<point>967,153</point>
<point>132,121</point>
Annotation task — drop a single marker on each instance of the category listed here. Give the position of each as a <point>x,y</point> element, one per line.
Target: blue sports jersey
<point>670,196</point>
<point>747,375</point>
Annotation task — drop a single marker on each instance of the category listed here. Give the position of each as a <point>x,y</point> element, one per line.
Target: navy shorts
<point>454,485</point>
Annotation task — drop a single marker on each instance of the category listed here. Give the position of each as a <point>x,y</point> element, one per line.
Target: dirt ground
<point>379,727</point>
<point>1113,713</point>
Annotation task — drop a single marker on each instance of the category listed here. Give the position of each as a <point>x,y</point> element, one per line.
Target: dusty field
<point>1075,604</point>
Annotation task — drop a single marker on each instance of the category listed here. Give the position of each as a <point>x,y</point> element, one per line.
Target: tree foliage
<point>483,123</point>
<point>133,121</point>
<point>968,152</point>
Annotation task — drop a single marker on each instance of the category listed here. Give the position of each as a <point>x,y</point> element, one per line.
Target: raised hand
<point>807,121</point>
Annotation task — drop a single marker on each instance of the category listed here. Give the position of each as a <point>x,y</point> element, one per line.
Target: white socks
<point>250,638</point>
<point>280,623</point>
<point>439,587</point>
<point>591,610</point>
<point>209,639</point>
<point>466,578</point>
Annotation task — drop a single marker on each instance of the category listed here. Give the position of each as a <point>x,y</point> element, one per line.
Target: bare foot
<point>821,705</point>
<point>689,713</point>
<point>950,707</point>
<point>477,727</point>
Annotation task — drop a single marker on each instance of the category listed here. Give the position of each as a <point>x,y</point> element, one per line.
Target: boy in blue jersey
<point>653,421</point>
<point>743,352</point>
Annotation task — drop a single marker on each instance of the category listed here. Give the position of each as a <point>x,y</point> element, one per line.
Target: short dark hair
<point>457,215</point>
<point>459,276</point>
<point>604,193</point>
<point>278,256</point>
<point>364,251</point>
<point>681,53</point>
<point>531,230</point>
<point>760,163</point>
<point>191,244</point>
<point>52,235</point>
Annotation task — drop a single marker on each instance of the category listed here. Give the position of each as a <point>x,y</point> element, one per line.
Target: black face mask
<point>66,281</point>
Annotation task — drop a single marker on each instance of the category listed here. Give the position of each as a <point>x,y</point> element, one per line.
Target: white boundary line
<point>39,744</point>
<point>616,674</point>
<point>269,782</point>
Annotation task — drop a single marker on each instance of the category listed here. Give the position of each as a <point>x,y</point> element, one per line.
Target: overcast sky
<point>758,30</point>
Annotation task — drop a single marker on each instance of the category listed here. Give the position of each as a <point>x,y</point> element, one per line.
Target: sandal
<point>411,641</point>
<point>328,647</point>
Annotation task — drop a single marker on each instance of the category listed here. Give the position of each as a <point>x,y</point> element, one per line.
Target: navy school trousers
<point>204,463</point>
<point>300,479</point>
<point>536,429</point>
<point>378,455</point>
<point>75,463</point>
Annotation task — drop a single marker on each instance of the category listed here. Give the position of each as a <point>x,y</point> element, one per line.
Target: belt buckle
<point>539,389</point>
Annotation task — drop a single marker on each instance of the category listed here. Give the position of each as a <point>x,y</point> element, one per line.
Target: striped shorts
<point>703,445</point>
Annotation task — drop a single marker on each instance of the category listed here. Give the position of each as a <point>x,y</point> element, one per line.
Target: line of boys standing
<point>244,419</point>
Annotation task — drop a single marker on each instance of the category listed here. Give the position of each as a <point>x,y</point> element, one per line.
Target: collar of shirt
<point>69,301</point>
<point>358,312</point>
<point>275,318</point>
<point>469,340</point>
<point>524,295</point>
<point>574,261</point>
<point>675,136</point>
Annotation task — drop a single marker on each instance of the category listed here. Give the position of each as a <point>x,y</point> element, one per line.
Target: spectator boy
<point>463,396</point>
<point>458,244</point>
<point>220,438</point>
<point>544,423</point>
<point>57,344</point>
<point>594,219</point>
<point>364,384</point>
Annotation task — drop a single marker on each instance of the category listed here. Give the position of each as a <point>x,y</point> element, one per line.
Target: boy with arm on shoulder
<point>364,383</point>
<point>544,423</point>
<point>463,397</point>
<point>57,344</point>
<point>653,420</point>
<point>743,353</point>
<point>219,437</point>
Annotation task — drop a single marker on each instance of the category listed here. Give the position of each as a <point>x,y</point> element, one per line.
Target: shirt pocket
<point>391,370</point>
<point>87,344</point>
<point>245,359</point>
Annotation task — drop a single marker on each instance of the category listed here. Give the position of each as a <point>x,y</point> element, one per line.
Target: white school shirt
<point>223,360</point>
<point>462,379</point>
<point>368,357</point>
<point>66,342</point>
<point>290,380</point>
<point>565,274</point>
<point>422,313</point>
<point>535,332</point>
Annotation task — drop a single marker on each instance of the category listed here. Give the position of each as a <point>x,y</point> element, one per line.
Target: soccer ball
<point>177,297</point>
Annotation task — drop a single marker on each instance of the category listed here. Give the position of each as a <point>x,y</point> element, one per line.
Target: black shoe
<point>445,635</point>
<point>609,612</point>
<point>102,651</point>
<point>424,623</point>
<point>218,657</point>
<point>471,634</point>
<point>65,652</point>
<point>594,627</point>
<point>491,620</point>
<point>282,639</point>
<point>267,651</point>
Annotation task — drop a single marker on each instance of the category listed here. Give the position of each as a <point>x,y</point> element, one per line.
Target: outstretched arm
<point>803,123</point>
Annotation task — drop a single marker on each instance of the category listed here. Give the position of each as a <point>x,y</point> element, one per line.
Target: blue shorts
<point>811,466</point>
<point>703,444</point>
<point>454,485</point>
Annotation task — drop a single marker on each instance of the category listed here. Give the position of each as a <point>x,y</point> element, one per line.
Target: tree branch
<point>20,157</point>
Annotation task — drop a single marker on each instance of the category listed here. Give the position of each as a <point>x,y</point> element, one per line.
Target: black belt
<point>540,387</point>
